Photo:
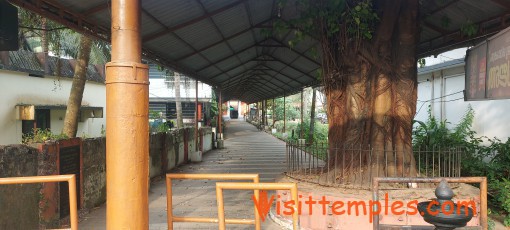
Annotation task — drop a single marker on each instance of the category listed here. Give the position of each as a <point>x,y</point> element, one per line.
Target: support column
<point>127,130</point>
<point>273,115</point>
<point>196,115</point>
<point>220,115</point>
<point>264,117</point>
<point>301,130</point>
<point>259,112</point>
<point>284,113</point>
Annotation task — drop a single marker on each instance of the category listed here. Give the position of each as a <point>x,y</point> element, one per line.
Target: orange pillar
<point>284,115</point>
<point>302,123</point>
<point>220,115</point>
<point>127,132</point>
<point>196,115</point>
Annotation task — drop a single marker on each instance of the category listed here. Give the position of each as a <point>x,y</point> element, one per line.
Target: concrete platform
<point>247,150</point>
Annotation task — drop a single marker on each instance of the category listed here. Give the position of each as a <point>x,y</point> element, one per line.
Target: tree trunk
<point>312,118</point>
<point>178,105</point>
<point>371,96</point>
<point>45,46</point>
<point>77,88</point>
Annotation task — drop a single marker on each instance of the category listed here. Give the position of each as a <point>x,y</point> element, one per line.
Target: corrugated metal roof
<point>220,42</point>
<point>26,61</point>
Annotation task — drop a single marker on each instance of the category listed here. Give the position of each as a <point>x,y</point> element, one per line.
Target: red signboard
<point>488,69</point>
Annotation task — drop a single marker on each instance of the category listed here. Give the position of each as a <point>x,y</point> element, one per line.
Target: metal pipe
<point>302,123</point>
<point>284,114</point>
<point>220,186</point>
<point>127,132</point>
<point>273,115</point>
<point>171,218</point>
<point>71,179</point>
<point>220,115</point>
<point>211,220</point>
<point>196,115</point>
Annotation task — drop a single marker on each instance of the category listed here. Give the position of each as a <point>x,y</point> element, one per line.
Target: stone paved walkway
<point>247,150</point>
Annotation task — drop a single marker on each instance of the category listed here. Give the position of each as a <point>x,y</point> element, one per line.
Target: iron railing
<point>355,166</point>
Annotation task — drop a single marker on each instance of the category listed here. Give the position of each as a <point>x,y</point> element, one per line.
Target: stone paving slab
<point>247,150</point>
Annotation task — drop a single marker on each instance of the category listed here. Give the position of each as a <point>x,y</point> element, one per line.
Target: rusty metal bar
<point>284,114</point>
<point>301,130</point>
<point>272,114</point>
<point>196,115</point>
<point>220,116</point>
<point>220,186</point>
<point>480,180</point>
<point>191,176</point>
<point>212,220</point>
<point>127,132</point>
<point>70,179</point>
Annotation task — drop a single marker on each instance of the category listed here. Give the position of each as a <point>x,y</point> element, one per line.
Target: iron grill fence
<point>355,166</point>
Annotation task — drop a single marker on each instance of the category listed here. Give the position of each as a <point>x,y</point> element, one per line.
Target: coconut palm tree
<point>63,42</point>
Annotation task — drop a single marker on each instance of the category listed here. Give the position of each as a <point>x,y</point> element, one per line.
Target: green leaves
<point>469,29</point>
<point>421,62</point>
<point>361,20</point>
<point>482,156</point>
<point>328,19</point>
<point>445,21</point>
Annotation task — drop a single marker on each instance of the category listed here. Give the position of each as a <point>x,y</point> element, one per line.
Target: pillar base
<point>219,144</point>
<point>196,156</point>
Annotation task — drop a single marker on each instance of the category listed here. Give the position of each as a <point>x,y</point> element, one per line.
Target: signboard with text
<point>487,69</point>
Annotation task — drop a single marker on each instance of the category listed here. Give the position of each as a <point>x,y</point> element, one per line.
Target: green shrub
<point>41,135</point>
<point>482,156</point>
<point>501,191</point>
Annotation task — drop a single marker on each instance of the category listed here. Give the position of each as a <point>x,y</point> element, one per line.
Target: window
<point>41,121</point>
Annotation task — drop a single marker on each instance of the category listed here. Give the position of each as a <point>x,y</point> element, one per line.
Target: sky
<point>446,56</point>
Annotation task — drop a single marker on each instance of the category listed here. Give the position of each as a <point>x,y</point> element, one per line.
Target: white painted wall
<point>159,89</point>
<point>491,116</point>
<point>19,88</point>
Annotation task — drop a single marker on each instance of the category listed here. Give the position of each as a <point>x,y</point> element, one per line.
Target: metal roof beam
<point>436,28</point>
<point>233,68</point>
<point>290,65</point>
<point>458,39</point>
<point>218,29</point>
<point>439,9</point>
<point>264,84</point>
<point>59,13</point>
<point>274,46</point>
<point>278,72</point>
<point>274,76</point>
<point>190,22</point>
<point>227,57</point>
<point>236,76</point>
<point>237,81</point>
<point>97,8</point>
<point>256,90</point>
<point>240,79</point>
<point>502,3</point>
<point>295,51</point>
<point>219,42</point>
<point>178,37</point>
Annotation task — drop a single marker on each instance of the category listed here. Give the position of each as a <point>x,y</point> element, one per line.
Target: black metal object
<point>442,212</point>
<point>8,27</point>
<point>69,163</point>
<point>314,163</point>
